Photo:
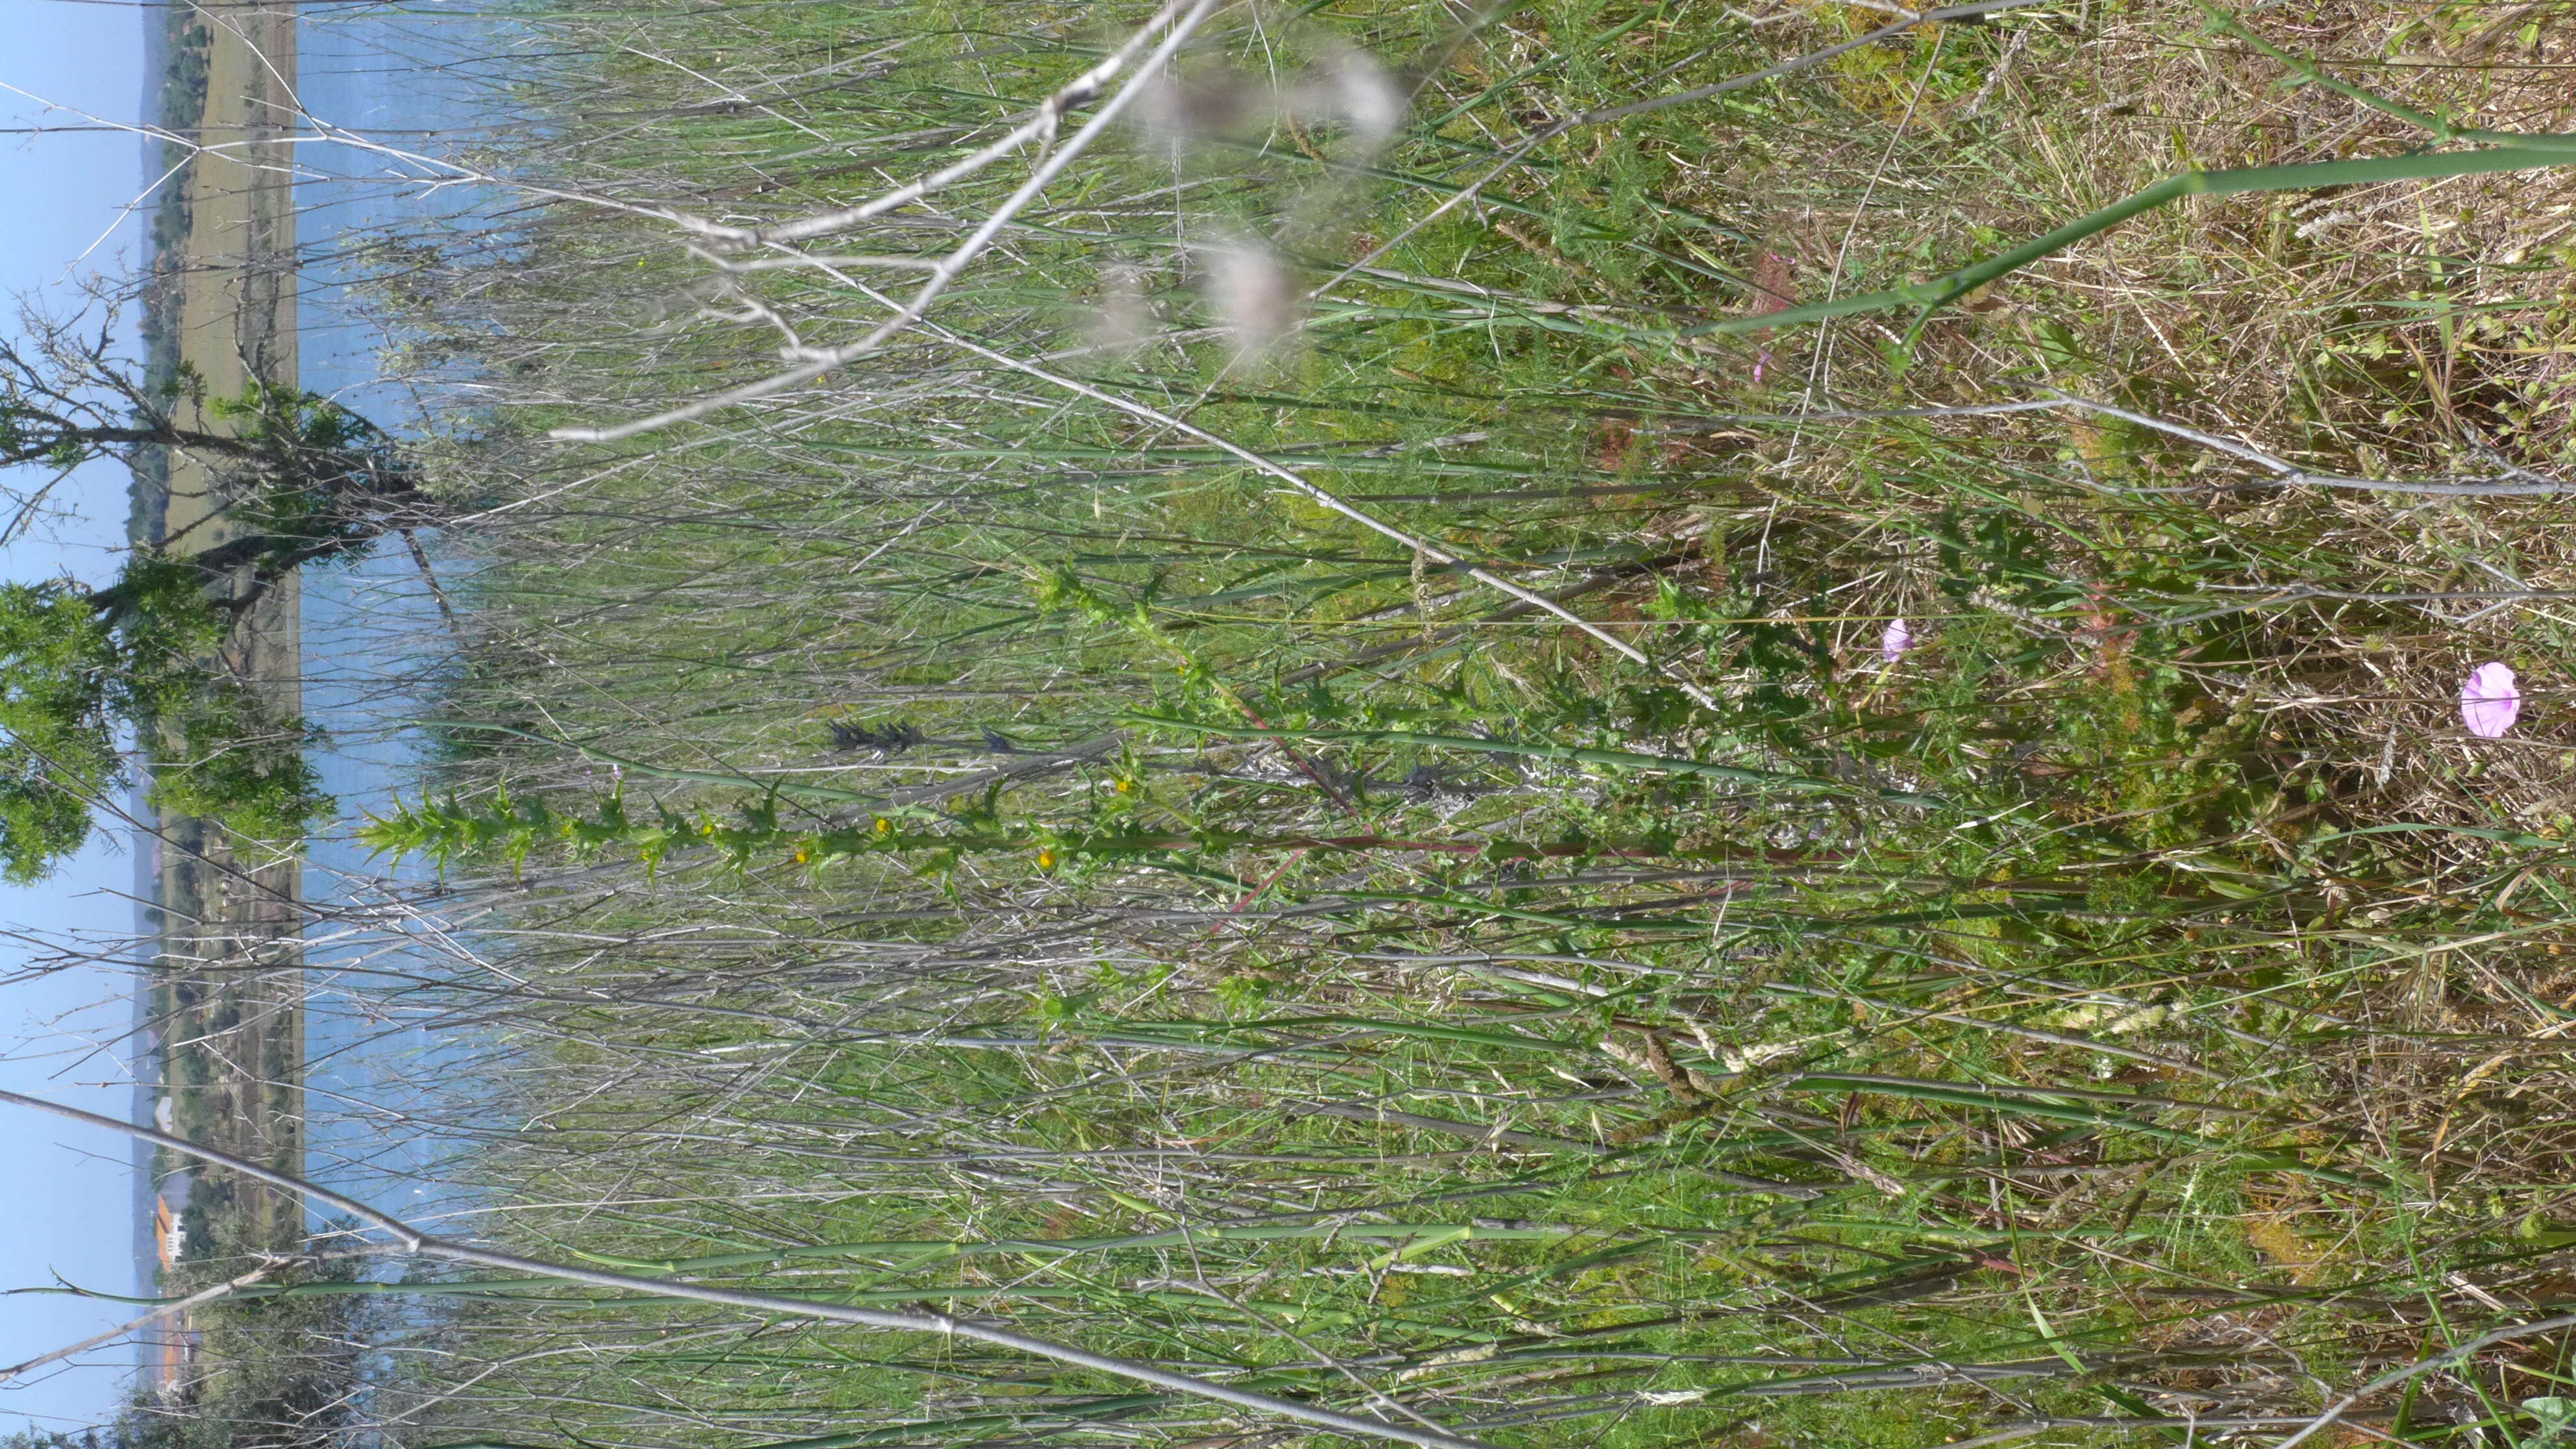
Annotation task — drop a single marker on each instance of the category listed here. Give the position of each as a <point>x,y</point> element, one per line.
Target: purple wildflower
<point>2489,702</point>
<point>1893,644</point>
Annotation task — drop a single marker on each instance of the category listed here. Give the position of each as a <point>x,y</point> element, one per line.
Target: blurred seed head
<point>1125,320</point>
<point>1205,100</point>
<point>1342,99</point>
<point>1192,103</point>
<point>1254,296</point>
<point>1350,87</point>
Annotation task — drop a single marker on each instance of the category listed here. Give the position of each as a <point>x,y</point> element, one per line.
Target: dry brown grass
<point>2396,330</point>
<point>2411,329</point>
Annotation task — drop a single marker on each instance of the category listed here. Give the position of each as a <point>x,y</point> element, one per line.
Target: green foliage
<point>449,832</point>
<point>77,669</point>
<point>222,758</point>
<point>161,601</point>
<point>327,465</point>
<point>28,436</point>
<point>58,667</point>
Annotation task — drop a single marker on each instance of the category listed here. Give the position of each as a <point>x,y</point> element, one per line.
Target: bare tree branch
<point>413,1241</point>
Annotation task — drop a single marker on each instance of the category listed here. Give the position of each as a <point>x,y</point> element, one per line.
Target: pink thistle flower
<point>2489,702</point>
<point>1893,644</point>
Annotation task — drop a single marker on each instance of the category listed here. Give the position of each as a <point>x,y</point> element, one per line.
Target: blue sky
<point>66,1208</point>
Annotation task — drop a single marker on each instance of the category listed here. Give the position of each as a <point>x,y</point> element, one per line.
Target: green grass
<point>2137,1004</point>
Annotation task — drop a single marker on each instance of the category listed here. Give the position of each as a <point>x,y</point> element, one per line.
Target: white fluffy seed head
<point>1254,296</point>
<point>1352,88</point>
<point>1124,319</point>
